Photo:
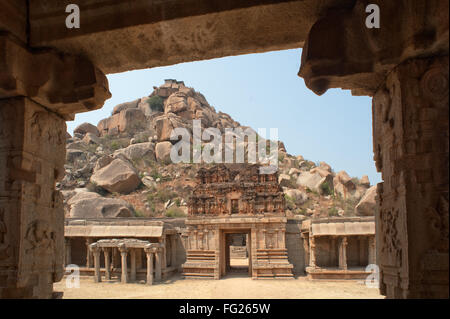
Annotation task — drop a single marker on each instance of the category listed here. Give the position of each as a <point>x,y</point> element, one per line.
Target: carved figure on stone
<point>39,237</point>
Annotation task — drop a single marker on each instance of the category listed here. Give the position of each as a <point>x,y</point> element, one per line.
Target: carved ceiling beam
<point>64,84</point>
<point>342,52</point>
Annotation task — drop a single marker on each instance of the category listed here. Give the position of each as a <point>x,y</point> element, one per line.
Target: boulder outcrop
<point>118,176</point>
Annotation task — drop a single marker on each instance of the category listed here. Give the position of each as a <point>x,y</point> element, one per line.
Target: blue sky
<point>263,91</point>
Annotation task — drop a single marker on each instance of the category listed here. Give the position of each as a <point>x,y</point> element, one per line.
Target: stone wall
<point>294,245</point>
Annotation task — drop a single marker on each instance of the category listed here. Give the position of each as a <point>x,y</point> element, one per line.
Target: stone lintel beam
<point>62,83</point>
<point>13,17</point>
<point>120,36</point>
<point>341,52</point>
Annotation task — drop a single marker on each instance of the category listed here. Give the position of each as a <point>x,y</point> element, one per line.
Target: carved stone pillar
<point>89,256</point>
<point>106,253</point>
<point>162,242</point>
<point>68,250</point>
<point>96,252</point>
<point>149,253</point>
<point>124,253</point>
<point>343,253</point>
<point>312,252</point>
<point>305,241</point>
<point>158,259</point>
<point>39,90</point>
<point>133,265</point>
<point>371,250</point>
<point>411,143</point>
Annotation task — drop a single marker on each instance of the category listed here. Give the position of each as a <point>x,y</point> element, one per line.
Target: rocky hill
<point>122,166</point>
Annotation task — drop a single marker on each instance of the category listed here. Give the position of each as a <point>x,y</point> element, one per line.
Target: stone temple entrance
<point>212,222</point>
<point>236,256</point>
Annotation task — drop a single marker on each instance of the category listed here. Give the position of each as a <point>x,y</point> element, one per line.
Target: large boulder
<point>367,204</point>
<point>162,151</point>
<point>127,120</point>
<point>102,162</point>
<point>315,182</point>
<point>92,205</point>
<point>118,176</point>
<point>86,128</point>
<point>177,102</point>
<point>343,185</point>
<point>297,196</point>
<point>365,181</point>
<point>137,151</point>
<point>284,180</point>
<point>73,155</point>
<point>165,124</point>
<point>127,105</point>
<point>90,138</point>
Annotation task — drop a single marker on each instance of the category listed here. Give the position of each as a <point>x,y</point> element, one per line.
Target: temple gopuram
<point>230,200</point>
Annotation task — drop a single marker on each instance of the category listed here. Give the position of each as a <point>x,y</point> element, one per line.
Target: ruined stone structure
<point>49,72</point>
<point>130,249</point>
<point>229,201</point>
<point>339,248</point>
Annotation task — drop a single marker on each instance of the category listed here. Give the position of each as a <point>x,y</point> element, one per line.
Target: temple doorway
<point>236,253</point>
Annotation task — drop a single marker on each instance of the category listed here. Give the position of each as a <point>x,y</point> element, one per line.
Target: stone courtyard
<point>229,287</point>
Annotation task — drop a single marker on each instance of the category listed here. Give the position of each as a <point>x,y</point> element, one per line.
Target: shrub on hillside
<point>156,103</point>
<point>175,212</point>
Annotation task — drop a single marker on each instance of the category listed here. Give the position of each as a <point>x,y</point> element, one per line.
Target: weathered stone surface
<point>165,124</point>
<point>118,176</point>
<point>85,128</point>
<point>63,83</point>
<point>357,58</point>
<point>129,119</point>
<point>367,204</point>
<point>314,181</point>
<point>138,151</point>
<point>102,162</point>
<point>284,180</point>
<point>90,138</point>
<point>124,106</point>
<point>298,196</point>
<point>73,154</point>
<point>344,185</point>
<point>32,157</point>
<point>92,205</point>
<point>410,118</point>
<point>364,181</point>
<point>162,151</point>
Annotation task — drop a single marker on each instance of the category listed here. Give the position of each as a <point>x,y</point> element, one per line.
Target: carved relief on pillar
<point>410,116</point>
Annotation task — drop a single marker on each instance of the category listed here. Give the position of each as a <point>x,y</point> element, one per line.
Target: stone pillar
<point>362,250</point>
<point>89,259</point>
<point>149,253</point>
<point>133,264</point>
<point>123,253</point>
<point>305,241</point>
<point>343,253</point>
<point>312,252</point>
<point>411,144</point>
<point>139,258</point>
<point>68,250</point>
<point>158,260</point>
<point>371,250</point>
<point>39,91</point>
<point>106,253</point>
<point>162,242</point>
<point>96,252</point>
<point>173,249</point>
<point>333,252</point>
